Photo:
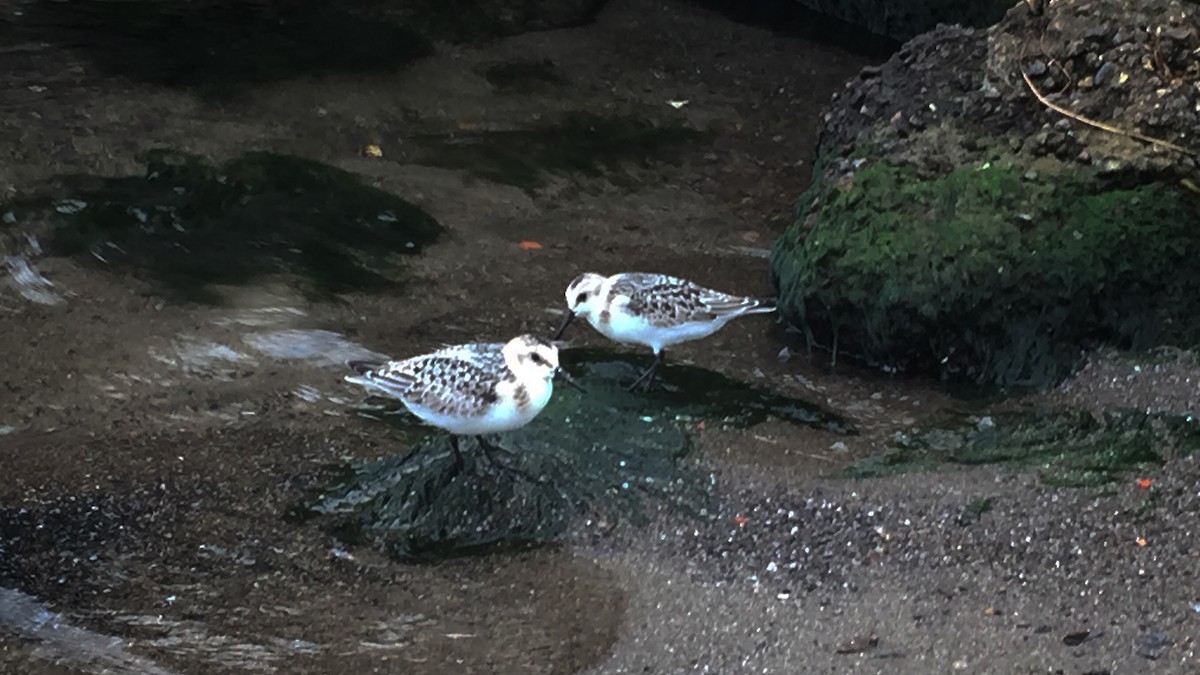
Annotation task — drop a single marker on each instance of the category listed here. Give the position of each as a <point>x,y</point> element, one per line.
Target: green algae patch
<point>603,455</point>
<point>187,224</point>
<point>578,143</point>
<point>1068,448</point>
<point>988,274</point>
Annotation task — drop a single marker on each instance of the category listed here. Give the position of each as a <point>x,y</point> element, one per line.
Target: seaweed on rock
<point>604,453</point>
<point>1071,448</point>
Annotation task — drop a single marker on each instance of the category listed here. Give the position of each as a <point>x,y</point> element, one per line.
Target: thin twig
<point>1101,125</point>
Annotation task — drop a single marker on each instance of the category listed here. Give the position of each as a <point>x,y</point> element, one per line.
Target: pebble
<point>1036,69</point>
<point>1179,33</point>
<point>1153,645</point>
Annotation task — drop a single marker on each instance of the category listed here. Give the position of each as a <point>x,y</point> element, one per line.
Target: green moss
<point>188,225</point>
<point>985,275</point>
<point>579,143</point>
<point>1069,448</point>
<point>601,454</point>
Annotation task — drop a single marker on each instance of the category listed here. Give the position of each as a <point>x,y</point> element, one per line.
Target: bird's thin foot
<point>460,462</point>
<point>645,381</point>
<point>491,450</point>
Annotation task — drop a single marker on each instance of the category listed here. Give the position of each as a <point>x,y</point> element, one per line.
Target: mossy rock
<point>605,454</point>
<point>989,274</point>
<point>188,224</point>
<point>1069,448</point>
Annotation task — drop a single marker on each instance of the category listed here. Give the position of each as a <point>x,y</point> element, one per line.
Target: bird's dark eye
<point>537,358</point>
<point>581,298</point>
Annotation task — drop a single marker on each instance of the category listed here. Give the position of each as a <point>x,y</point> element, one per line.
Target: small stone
<point>870,72</point>
<point>1153,645</point>
<point>1036,69</point>
<point>1104,73</point>
<point>1087,82</point>
<point>1076,639</point>
<point>1180,33</point>
<point>858,644</point>
<point>839,447</point>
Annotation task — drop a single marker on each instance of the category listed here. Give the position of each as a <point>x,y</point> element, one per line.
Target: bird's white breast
<point>622,326</point>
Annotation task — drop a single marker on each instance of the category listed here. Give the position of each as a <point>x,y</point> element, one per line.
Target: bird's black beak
<point>566,377</point>
<point>567,316</point>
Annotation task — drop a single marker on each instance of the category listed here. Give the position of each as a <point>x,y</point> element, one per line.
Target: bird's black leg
<point>487,450</point>
<point>458,457</point>
<point>490,448</point>
<point>646,379</point>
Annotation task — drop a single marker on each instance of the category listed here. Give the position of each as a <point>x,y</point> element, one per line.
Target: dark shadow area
<point>215,47</point>
<point>690,393</point>
<point>525,77</point>
<point>605,454</point>
<point>473,21</point>
<point>791,19</point>
<point>580,143</point>
<point>1070,448</point>
<point>186,224</point>
<point>872,28</point>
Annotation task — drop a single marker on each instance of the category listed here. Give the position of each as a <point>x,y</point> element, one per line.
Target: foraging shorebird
<point>471,389</point>
<point>654,310</point>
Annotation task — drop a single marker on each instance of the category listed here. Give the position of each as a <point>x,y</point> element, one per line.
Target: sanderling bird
<point>654,310</point>
<point>470,389</point>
